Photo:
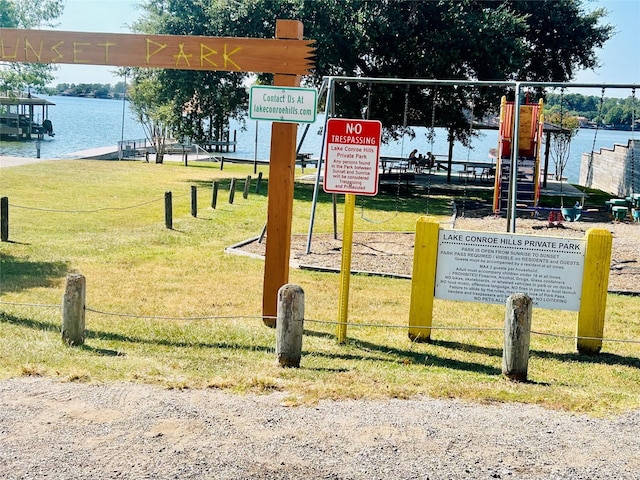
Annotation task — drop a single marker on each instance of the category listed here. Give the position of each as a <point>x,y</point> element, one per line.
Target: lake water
<point>82,123</point>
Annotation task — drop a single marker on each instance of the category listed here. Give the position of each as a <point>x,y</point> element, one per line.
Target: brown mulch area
<point>391,253</point>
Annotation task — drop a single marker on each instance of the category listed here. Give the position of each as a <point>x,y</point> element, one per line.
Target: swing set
<point>412,169</point>
<point>518,175</point>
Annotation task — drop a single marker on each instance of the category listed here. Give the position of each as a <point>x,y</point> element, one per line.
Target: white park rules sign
<point>283,104</point>
<point>487,267</point>
<point>352,156</point>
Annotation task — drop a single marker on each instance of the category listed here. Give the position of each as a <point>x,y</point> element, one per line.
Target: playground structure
<point>527,162</point>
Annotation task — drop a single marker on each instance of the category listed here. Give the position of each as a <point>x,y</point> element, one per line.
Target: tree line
<point>592,110</point>
<point>90,90</point>
<point>547,40</point>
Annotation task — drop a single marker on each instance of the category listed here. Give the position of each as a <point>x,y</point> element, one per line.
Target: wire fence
<point>5,205</point>
<point>323,322</point>
<point>389,326</point>
<point>95,210</point>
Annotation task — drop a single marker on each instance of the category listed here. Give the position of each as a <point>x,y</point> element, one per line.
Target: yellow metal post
<point>345,266</point>
<point>595,282</point>
<point>423,279</point>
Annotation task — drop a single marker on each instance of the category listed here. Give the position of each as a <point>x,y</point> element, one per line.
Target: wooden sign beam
<point>264,55</point>
<point>288,56</point>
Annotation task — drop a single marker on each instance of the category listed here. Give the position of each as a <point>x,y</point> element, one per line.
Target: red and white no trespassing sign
<point>352,156</point>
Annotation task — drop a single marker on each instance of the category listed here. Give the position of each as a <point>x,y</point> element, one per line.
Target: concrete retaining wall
<point>614,171</point>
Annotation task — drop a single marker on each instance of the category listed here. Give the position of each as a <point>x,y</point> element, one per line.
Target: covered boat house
<point>24,117</point>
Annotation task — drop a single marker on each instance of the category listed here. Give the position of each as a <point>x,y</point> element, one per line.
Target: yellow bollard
<point>345,266</point>
<point>423,280</point>
<point>595,282</point>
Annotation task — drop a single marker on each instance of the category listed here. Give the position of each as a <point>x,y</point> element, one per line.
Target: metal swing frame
<point>362,216</point>
<point>330,81</point>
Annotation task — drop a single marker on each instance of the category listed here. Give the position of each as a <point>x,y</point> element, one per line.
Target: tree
<point>8,14</point>
<point>560,39</point>
<point>155,117</point>
<point>498,40</point>
<point>27,14</point>
<point>120,89</point>
<point>561,141</point>
<point>614,116</point>
<point>200,102</point>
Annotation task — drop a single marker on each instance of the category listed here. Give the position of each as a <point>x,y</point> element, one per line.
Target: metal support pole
<point>513,168</point>
<point>328,114</point>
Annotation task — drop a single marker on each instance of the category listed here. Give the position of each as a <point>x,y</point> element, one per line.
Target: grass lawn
<point>170,307</point>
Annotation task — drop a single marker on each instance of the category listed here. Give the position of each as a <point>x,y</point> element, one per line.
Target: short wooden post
<point>194,201</point>
<point>232,190</point>
<point>221,163</point>
<point>247,184</point>
<point>73,309</point>
<point>517,332</point>
<point>168,210</point>
<point>290,325</point>
<point>595,283</point>
<point>258,182</point>
<point>4,219</point>
<point>214,194</point>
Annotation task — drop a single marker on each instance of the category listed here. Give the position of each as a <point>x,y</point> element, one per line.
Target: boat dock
<point>24,117</point>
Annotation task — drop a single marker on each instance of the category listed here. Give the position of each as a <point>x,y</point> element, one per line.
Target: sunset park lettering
<point>156,51</point>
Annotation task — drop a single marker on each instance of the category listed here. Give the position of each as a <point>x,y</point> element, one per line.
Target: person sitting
<point>413,158</point>
<point>430,160</point>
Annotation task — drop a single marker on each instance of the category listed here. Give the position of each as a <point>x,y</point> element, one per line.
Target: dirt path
<point>59,430</point>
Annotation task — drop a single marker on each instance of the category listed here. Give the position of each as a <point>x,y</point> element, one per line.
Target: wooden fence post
<point>168,210</point>
<point>214,194</point>
<point>259,181</point>
<point>4,219</point>
<point>247,184</point>
<point>73,309</point>
<point>232,190</point>
<point>517,332</point>
<point>290,325</point>
<point>194,201</point>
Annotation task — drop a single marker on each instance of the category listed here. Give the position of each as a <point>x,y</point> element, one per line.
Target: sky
<point>620,57</point>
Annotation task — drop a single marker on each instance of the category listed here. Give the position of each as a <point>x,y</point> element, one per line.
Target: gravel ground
<point>59,430</point>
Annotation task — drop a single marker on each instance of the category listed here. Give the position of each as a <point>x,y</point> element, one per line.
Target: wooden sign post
<point>287,56</point>
<point>282,165</point>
